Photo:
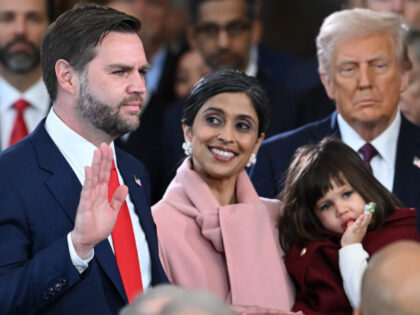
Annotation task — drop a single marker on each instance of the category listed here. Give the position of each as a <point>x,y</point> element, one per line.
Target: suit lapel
<point>132,179</point>
<point>406,173</point>
<point>63,183</point>
<point>65,187</point>
<point>327,127</point>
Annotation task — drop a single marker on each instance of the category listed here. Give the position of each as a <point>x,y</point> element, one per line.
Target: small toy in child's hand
<point>370,207</point>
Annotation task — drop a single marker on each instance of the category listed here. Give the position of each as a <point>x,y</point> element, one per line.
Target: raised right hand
<point>96,217</point>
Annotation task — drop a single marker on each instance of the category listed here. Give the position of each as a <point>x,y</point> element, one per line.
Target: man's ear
<point>67,77</point>
<point>328,85</point>
<point>405,80</point>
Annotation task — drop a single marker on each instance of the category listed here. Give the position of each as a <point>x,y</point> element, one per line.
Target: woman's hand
<point>356,230</point>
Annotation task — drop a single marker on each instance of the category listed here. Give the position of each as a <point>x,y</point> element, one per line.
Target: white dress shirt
<point>36,96</point>
<point>383,164</point>
<point>252,68</point>
<point>155,71</point>
<point>78,152</point>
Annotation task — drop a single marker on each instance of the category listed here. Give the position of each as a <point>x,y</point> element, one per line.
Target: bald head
<point>392,281</point>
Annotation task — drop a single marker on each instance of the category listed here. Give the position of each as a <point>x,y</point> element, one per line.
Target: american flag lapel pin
<point>416,161</point>
<point>137,181</point>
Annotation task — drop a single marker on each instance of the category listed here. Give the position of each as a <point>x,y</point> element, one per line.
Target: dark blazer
<point>275,154</point>
<point>145,144</point>
<point>39,195</point>
<point>284,105</point>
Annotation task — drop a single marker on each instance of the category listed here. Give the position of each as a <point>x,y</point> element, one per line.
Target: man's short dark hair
<point>75,35</point>
<point>195,7</point>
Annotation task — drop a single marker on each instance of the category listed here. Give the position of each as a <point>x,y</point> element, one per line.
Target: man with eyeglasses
<point>225,32</point>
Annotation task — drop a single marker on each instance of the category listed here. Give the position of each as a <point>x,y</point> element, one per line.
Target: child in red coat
<point>325,231</point>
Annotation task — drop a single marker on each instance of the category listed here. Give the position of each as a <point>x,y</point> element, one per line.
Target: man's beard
<point>20,61</point>
<point>103,116</point>
<point>214,62</point>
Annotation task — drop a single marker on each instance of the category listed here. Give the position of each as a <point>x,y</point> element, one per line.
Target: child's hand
<point>356,230</point>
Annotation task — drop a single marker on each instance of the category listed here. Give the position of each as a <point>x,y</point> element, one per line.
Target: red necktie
<point>368,152</point>
<point>19,130</point>
<point>125,244</point>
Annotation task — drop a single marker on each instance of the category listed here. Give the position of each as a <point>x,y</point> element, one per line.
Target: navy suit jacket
<point>275,154</point>
<point>39,195</point>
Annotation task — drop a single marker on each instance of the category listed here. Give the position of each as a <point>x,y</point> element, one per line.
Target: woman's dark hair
<point>75,35</point>
<point>309,178</point>
<point>228,81</point>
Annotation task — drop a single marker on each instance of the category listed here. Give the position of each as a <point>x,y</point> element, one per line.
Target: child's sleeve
<point>352,260</point>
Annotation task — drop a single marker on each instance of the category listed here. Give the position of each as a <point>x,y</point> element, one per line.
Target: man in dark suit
<point>364,67</point>
<point>226,33</point>
<point>24,99</point>
<point>68,249</point>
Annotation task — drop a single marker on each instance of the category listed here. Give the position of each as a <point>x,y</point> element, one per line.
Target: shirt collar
<point>155,71</point>
<point>76,149</point>
<point>252,68</point>
<point>36,95</point>
<point>8,94</point>
<point>385,143</point>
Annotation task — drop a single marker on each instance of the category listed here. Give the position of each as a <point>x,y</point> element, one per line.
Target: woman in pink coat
<point>214,231</point>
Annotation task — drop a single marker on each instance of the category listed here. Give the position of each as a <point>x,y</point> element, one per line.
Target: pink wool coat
<point>230,250</point>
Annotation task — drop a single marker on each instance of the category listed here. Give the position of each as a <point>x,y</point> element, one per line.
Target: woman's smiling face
<point>223,135</point>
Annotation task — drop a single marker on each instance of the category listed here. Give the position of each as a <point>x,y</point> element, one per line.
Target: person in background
<point>68,249</point>
<point>364,67</point>
<point>408,9</point>
<point>410,98</point>
<point>211,222</point>
<point>326,230</point>
<point>391,281</point>
<point>24,99</point>
<point>171,300</point>
<point>226,33</point>
<point>153,300</point>
<point>197,302</point>
<point>190,69</point>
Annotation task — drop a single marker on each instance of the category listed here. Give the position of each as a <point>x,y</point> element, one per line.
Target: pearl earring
<point>187,147</point>
<point>252,160</point>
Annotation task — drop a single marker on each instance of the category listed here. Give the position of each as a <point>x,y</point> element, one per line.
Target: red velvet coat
<point>319,287</point>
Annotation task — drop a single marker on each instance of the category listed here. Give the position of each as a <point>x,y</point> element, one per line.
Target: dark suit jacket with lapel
<point>275,155</point>
<point>284,105</point>
<point>39,195</point>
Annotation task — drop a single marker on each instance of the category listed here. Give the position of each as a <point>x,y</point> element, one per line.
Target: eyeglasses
<point>212,30</point>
